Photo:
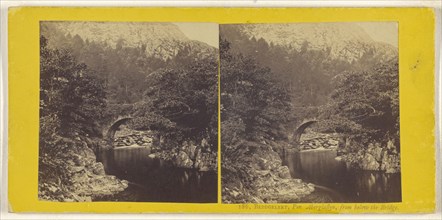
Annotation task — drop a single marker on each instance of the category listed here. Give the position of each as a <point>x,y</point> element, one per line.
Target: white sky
<point>386,32</point>
<point>204,32</point>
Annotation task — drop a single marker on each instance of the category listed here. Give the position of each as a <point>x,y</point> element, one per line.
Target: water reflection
<point>337,180</point>
<point>151,179</point>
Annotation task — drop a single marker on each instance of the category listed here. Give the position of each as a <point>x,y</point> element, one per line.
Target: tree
<point>181,103</point>
<point>69,93</point>
<point>366,103</point>
<point>71,102</point>
<point>253,104</point>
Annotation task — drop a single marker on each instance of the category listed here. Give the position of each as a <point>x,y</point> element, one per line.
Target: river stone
<point>183,160</point>
<point>369,162</point>
<point>234,193</point>
<point>191,150</point>
<point>98,169</point>
<point>198,160</point>
<point>266,164</point>
<point>204,169</point>
<point>333,142</point>
<point>77,169</point>
<point>311,186</point>
<point>377,152</point>
<point>333,147</point>
<point>390,163</point>
<point>147,139</point>
<point>284,172</point>
<point>297,180</point>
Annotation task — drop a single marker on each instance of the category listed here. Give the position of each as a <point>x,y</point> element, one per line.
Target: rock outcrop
<point>190,155</point>
<point>259,177</point>
<point>195,156</point>
<point>375,158</point>
<point>83,177</point>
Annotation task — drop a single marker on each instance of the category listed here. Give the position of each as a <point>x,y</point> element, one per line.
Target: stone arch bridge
<point>296,138</point>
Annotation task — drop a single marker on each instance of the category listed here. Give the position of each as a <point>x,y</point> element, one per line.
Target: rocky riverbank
<point>374,157</point>
<point>312,141</point>
<point>83,178</point>
<point>189,155</point>
<point>258,176</point>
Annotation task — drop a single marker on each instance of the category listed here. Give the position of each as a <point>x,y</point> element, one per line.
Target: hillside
<point>159,40</point>
<point>344,41</point>
<point>306,57</point>
<point>124,54</point>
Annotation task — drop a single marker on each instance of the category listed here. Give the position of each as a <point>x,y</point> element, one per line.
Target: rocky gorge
<point>85,177</point>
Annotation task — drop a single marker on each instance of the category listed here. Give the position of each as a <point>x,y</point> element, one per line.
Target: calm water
<point>151,180</point>
<point>338,183</point>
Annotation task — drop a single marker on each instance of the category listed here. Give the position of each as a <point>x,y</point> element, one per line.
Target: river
<point>152,180</point>
<point>336,182</point>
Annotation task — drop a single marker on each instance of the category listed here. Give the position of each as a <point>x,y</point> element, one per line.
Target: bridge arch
<point>114,127</point>
<point>301,128</point>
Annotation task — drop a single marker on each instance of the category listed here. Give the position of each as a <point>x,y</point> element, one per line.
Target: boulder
<point>98,168</point>
<point>377,153</point>
<point>191,150</point>
<point>183,160</point>
<point>268,164</point>
<point>284,172</point>
<point>204,169</point>
<point>267,180</point>
<point>76,169</point>
<point>390,163</point>
<point>391,146</point>
<point>369,162</point>
<point>333,142</point>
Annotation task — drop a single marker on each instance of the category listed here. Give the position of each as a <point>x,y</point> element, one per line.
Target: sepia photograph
<point>128,112</point>
<point>310,113</point>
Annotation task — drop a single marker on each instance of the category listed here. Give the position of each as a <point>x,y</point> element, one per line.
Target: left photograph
<point>128,112</point>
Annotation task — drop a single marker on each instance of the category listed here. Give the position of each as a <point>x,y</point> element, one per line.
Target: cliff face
<point>159,40</point>
<point>345,41</point>
<point>375,157</point>
<point>83,178</point>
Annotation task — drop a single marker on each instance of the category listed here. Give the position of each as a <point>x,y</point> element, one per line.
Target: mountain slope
<point>345,41</point>
<point>159,40</point>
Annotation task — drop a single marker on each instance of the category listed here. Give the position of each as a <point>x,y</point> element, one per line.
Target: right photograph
<point>310,113</point>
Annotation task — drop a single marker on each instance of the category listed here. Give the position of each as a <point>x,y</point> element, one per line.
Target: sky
<point>204,32</point>
<point>386,32</point>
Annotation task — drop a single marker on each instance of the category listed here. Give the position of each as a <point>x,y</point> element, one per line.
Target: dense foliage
<point>305,74</point>
<point>71,100</point>
<point>358,98</point>
<point>86,86</point>
<point>70,95</point>
<point>176,96</point>
<point>253,104</point>
<point>365,104</point>
<point>181,103</point>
